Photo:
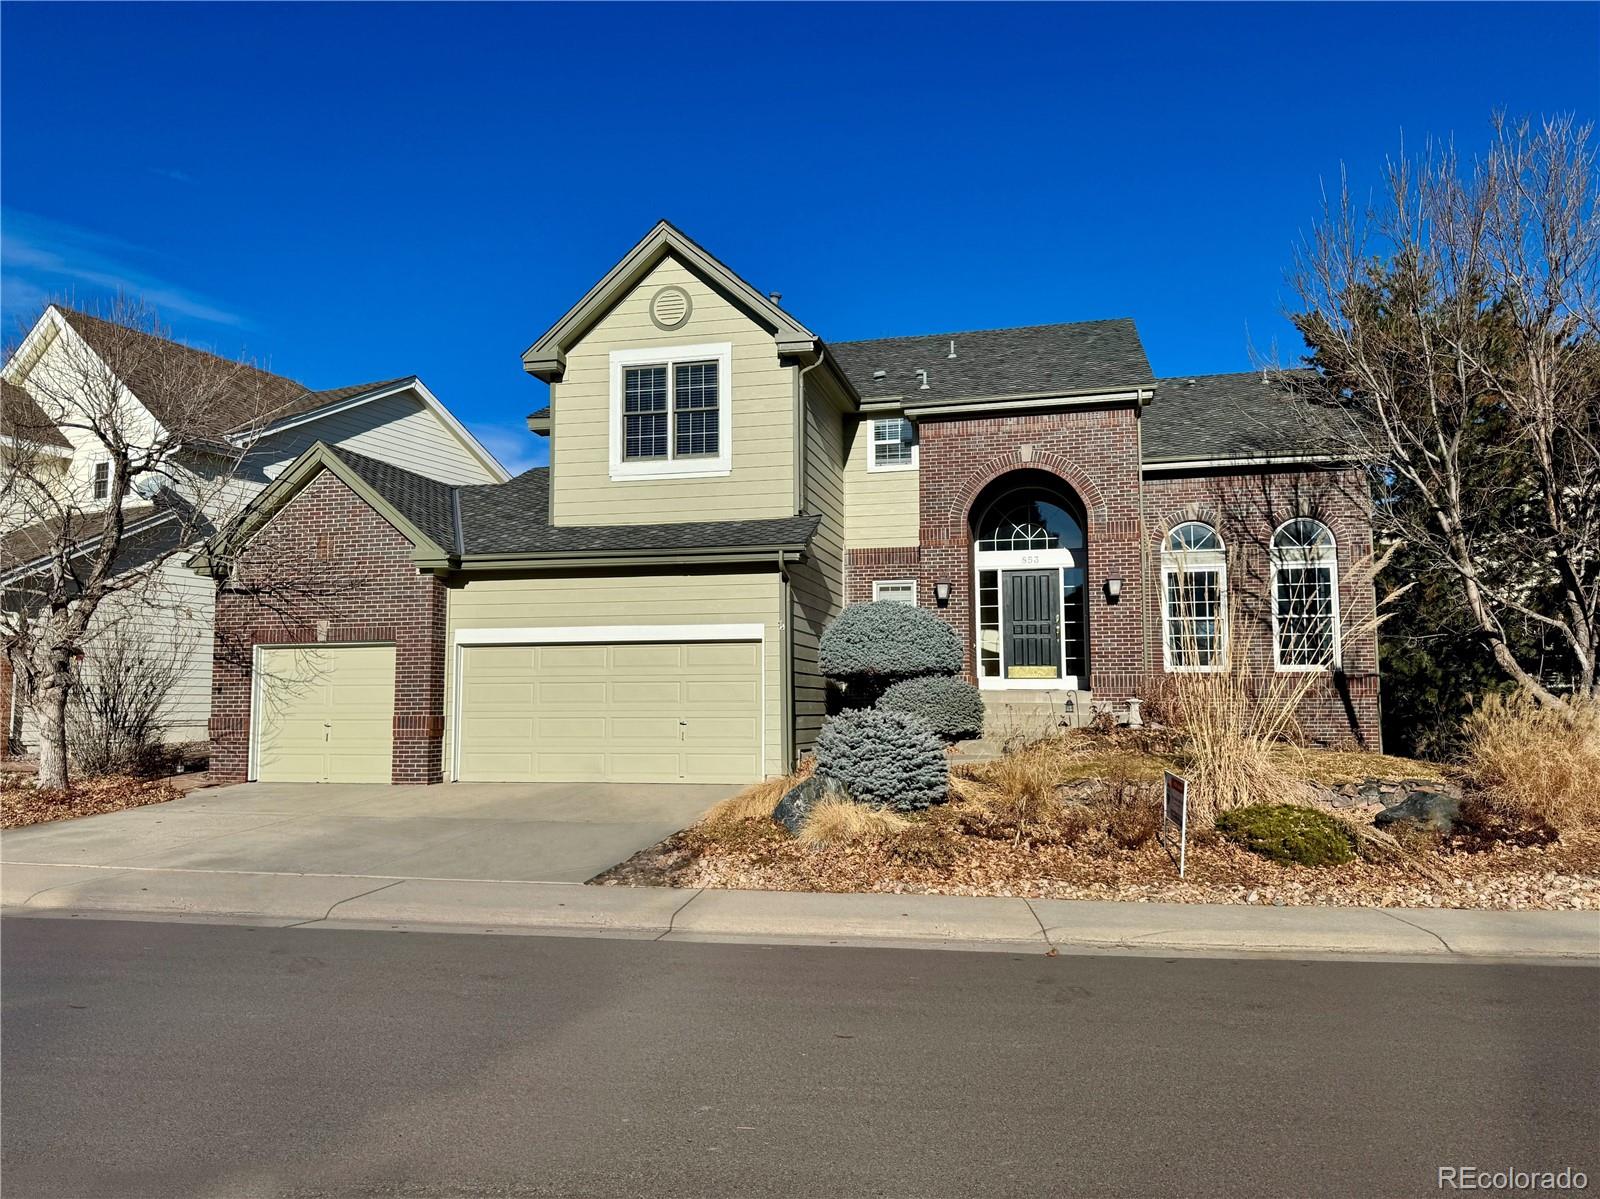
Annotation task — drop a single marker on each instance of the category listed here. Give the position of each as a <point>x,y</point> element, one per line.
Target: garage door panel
<point>628,712</point>
<point>324,713</point>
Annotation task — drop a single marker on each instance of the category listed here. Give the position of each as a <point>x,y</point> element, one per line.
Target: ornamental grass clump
<point>1536,765</point>
<point>953,706</point>
<point>885,759</point>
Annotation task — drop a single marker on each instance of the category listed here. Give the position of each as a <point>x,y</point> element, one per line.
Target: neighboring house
<point>397,420</point>
<point>722,483</point>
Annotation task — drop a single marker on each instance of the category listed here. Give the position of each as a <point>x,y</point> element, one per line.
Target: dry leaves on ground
<point>21,803</point>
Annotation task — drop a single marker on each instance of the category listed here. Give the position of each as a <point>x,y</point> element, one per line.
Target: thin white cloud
<point>516,448</point>
<point>40,258</point>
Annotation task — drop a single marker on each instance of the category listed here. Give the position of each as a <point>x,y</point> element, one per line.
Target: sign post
<point>1175,815</point>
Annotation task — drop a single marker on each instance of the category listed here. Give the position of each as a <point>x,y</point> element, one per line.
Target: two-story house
<point>261,423</point>
<point>722,481</point>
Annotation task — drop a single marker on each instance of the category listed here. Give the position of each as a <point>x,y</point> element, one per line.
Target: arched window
<point>1029,521</point>
<point>1194,587</point>
<point>1305,590</point>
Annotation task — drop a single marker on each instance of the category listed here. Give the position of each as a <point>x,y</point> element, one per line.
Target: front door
<point>1032,624</point>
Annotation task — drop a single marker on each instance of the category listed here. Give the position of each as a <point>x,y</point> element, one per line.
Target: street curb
<point>776,917</point>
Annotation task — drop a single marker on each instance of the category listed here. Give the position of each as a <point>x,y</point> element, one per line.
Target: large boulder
<point>797,803</point>
<point>1431,806</point>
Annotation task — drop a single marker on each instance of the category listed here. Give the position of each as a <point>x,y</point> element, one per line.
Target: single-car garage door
<point>657,712</point>
<point>324,714</point>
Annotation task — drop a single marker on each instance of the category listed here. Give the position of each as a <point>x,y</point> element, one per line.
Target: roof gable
<point>546,358</point>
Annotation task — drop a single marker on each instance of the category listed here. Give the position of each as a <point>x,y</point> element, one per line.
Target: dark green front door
<point>1033,624</point>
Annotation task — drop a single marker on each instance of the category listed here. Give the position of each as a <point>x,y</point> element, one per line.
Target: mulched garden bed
<point>1564,874</point>
<point>959,849</point>
<point>21,803</point>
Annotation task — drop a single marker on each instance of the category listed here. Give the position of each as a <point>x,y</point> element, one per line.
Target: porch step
<point>1009,714</point>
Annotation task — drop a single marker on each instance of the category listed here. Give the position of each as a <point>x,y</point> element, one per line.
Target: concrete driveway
<point>528,832</point>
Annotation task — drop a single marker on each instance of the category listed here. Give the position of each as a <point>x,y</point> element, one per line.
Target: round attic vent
<point>670,308</point>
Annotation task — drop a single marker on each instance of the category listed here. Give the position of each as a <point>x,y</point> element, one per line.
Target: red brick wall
<point>327,568</point>
<point>1246,509</point>
<point>1095,452</point>
<point>5,708</point>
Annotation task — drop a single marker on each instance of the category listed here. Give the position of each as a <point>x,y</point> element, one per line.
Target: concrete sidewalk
<point>475,905</point>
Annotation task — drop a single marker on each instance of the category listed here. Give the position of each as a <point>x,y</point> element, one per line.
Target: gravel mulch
<point>755,855</point>
<point>21,803</point>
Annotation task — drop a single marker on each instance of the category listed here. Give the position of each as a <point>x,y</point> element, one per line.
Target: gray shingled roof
<point>1203,417</point>
<point>425,502</point>
<point>998,362</point>
<point>514,518</point>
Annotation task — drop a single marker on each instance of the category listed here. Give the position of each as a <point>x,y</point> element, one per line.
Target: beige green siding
<point>686,595</point>
<point>761,482</point>
<point>880,506</point>
<point>818,583</point>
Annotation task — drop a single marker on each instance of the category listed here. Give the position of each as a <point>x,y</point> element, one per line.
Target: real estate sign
<point>1175,819</point>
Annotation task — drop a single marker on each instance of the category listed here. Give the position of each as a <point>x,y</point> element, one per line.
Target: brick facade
<point>1095,452</point>
<point>328,569</point>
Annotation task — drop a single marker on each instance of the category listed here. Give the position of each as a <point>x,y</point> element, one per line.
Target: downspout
<point>786,648</point>
<point>786,599</point>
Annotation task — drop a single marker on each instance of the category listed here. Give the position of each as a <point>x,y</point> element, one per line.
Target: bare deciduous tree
<point>1454,321</point>
<point>155,475</point>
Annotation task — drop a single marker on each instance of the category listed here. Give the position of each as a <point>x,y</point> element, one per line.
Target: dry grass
<point>756,801</point>
<point>1537,765</point>
<point>1331,767</point>
<point>836,822</point>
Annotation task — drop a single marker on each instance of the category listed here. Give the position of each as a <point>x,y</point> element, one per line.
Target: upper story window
<point>894,444</point>
<point>671,415</point>
<point>1194,589</point>
<point>102,480</point>
<point>1305,596</point>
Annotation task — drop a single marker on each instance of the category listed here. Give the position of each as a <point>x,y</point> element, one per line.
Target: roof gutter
<point>1177,464</point>
<point>571,561</point>
<point>1027,400</point>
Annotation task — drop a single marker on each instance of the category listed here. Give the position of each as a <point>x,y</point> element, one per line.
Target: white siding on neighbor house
<point>169,619</point>
<point>881,507</point>
<point>818,583</point>
<point>709,595</point>
<point>398,429</point>
<point>761,482</point>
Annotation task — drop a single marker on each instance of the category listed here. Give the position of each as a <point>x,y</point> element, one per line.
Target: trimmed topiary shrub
<point>884,640</point>
<point>1287,833</point>
<point>891,759</point>
<point>954,707</point>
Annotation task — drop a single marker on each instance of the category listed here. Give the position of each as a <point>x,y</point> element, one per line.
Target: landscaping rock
<point>793,808</point>
<point>1427,808</point>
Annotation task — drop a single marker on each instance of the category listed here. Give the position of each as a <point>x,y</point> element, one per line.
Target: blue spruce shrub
<point>887,759</point>
<point>954,707</point>
<point>883,641</point>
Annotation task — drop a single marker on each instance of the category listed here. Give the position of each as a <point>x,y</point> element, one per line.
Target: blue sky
<point>357,192</point>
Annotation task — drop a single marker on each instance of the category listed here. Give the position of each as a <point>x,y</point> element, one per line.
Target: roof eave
<point>566,559</point>
<point>1140,394</point>
<point>1235,461</point>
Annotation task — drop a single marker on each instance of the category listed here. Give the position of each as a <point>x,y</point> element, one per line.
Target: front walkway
<point>528,832</point>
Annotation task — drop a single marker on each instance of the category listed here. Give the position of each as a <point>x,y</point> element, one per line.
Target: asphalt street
<point>162,1059</point>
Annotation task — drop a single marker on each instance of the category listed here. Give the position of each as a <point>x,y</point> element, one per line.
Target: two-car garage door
<point>627,712</point>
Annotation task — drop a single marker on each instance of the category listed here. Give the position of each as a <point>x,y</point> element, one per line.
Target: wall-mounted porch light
<point>1113,590</point>
<point>941,594</point>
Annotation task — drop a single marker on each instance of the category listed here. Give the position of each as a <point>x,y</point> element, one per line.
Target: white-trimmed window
<point>102,480</point>
<point>894,444</point>
<point>898,591</point>
<point>1194,590</point>
<point>1305,596</point>
<point>671,412</point>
